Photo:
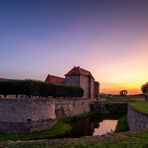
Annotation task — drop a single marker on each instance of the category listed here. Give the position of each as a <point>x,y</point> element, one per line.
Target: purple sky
<point>107,37</point>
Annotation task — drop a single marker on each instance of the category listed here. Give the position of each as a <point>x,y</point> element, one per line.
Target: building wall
<point>84,84</point>
<point>72,80</point>
<point>96,90</point>
<point>92,88</point>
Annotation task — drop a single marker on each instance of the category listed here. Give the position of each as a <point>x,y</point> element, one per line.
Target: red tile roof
<point>4,79</point>
<point>55,79</point>
<point>79,71</point>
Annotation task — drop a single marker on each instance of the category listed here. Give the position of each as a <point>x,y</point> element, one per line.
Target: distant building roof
<point>79,71</point>
<point>55,79</point>
<point>4,79</point>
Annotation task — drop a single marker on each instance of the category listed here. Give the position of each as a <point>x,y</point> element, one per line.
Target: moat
<point>100,124</point>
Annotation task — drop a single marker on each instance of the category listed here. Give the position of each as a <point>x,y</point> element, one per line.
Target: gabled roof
<point>79,71</point>
<point>55,79</point>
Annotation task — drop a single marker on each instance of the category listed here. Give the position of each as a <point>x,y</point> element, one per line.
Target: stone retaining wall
<point>27,115</point>
<point>136,119</point>
<point>71,107</point>
<point>110,106</point>
<point>24,115</point>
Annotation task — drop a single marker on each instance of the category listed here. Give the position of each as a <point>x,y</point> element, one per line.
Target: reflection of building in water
<point>106,126</point>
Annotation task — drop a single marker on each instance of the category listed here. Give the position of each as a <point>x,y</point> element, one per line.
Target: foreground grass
<point>141,106</point>
<point>136,139</point>
<point>58,130</point>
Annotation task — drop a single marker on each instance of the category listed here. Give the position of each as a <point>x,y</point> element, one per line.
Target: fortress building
<point>78,77</point>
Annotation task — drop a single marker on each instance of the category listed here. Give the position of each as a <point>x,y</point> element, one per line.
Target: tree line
<point>38,88</point>
<point>144,89</point>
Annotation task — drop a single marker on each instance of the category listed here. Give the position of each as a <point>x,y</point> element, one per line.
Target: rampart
<point>136,119</point>
<point>27,115</point>
<point>71,107</point>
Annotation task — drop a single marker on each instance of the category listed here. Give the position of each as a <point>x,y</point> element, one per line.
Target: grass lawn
<point>141,106</point>
<point>123,98</point>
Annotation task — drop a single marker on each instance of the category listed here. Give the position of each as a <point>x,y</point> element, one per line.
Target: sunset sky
<point>107,37</point>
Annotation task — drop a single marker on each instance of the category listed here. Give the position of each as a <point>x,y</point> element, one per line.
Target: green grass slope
<point>141,106</point>
<point>136,139</point>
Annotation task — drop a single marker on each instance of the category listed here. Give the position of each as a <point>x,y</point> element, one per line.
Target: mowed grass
<point>123,98</point>
<point>136,139</point>
<point>141,106</point>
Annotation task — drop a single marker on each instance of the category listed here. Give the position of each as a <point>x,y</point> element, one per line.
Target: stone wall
<point>71,107</point>
<point>23,115</point>
<point>136,119</point>
<point>118,107</point>
<point>26,115</point>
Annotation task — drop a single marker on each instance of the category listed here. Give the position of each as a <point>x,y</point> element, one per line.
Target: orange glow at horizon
<point>133,87</point>
<point>116,90</point>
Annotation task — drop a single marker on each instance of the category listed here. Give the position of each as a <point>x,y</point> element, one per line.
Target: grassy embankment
<point>122,125</point>
<point>123,98</point>
<point>136,139</point>
<point>141,106</point>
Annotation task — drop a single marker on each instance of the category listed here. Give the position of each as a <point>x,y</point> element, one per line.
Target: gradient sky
<point>107,37</point>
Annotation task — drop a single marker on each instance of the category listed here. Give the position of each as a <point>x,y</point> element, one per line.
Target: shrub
<point>38,88</point>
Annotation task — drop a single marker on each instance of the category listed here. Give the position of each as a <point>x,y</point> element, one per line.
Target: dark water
<point>92,126</point>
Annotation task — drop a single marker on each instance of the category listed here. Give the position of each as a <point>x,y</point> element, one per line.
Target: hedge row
<point>38,88</point>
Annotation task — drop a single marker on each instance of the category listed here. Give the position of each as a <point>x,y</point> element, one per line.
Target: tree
<point>123,92</point>
<point>144,89</point>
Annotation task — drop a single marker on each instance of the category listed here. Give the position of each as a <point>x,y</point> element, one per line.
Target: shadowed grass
<point>59,129</point>
<point>122,125</point>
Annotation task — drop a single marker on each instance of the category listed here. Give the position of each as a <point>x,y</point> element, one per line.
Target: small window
<point>28,120</point>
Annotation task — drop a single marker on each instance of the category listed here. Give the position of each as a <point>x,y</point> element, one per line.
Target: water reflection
<point>104,127</point>
<point>94,125</point>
